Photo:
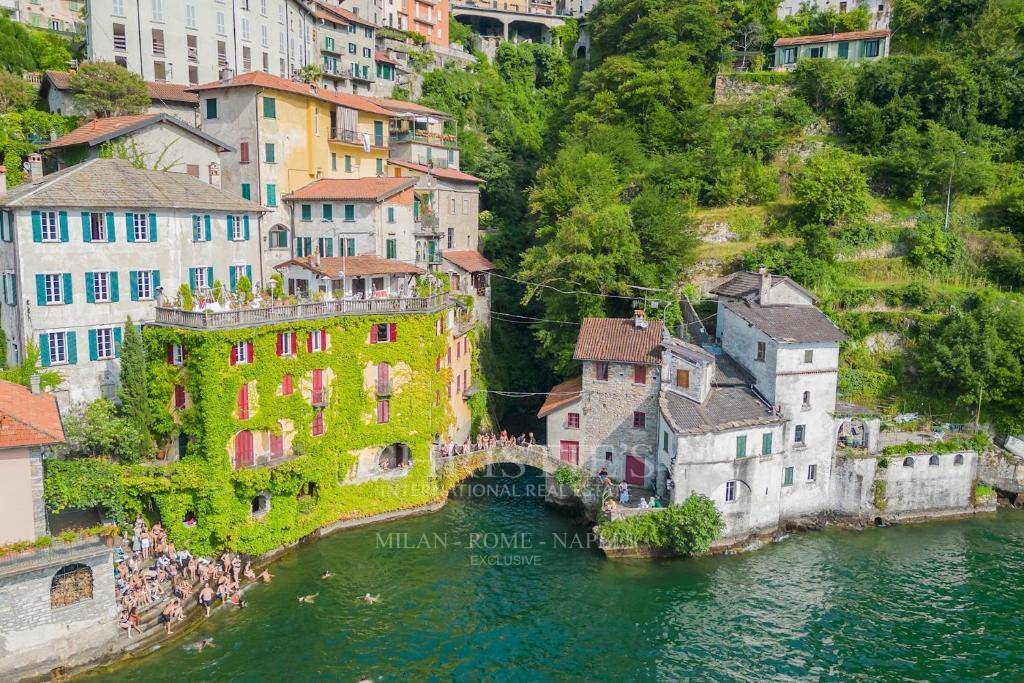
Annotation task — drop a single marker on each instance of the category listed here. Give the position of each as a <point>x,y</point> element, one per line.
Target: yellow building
<point>286,135</point>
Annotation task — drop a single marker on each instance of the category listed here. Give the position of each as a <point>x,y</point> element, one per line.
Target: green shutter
<point>741,446</point>
<point>269,153</point>
<point>209,277</point>
<point>115,296</point>
<point>206,220</point>
<point>248,272</point>
<point>348,163</point>
<point>307,212</point>
<point>766,443</point>
<point>350,212</point>
<point>110,226</point>
<point>128,227</point>
<point>37,227</point>
<point>245,227</point>
<point>391,214</point>
<point>41,290</point>
<point>246,191</point>
<point>94,353</point>
<point>230,224</point>
<point>86,227</point>
<point>155,281</point>
<point>72,348</point>
<point>90,289</point>
<point>68,293</point>
<point>232,280</point>
<point>271,194</point>
<point>192,279</point>
<point>211,108</point>
<point>63,221</point>
<point>152,227</point>
<point>329,212</point>
<point>117,342</point>
<point>44,350</point>
<point>269,108</point>
<point>133,284</point>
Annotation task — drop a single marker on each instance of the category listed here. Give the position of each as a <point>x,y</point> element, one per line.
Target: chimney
<point>226,75</point>
<point>215,174</point>
<point>35,167</point>
<point>3,180</point>
<point>639,321</point>
<point>764,296</point>
<point>34,384</point>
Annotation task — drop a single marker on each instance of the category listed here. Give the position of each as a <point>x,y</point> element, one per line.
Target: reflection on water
<point>931,602</point>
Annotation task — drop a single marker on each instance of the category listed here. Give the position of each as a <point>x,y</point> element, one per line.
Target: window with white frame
<point>235,227</point>
<point>200,278</point>
<point>97,227</point>
<point>53,286</point>
<point>158,10</point>
<point>190,16</point>
<point>812,472</point>
<point>49,229</point>
<point>117,8</point>
<point>101,286</point>
<point>177,354</point>
<point>730,491</point>
<point>808,355</point>
<point>144,282</point>
<point>10,289</point>
<point>799,435</point>
<point>245,29</point>
<point>242,352</point>
<point>105,343</point>
<point>58,347</point>
<point>198,233</point>
<point>221,24</point>
<point>140,227</point>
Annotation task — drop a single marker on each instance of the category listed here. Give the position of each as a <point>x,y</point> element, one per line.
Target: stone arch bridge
<point>485,17</point>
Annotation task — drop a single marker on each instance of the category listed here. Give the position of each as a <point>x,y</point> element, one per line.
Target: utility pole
<point>949,188</point>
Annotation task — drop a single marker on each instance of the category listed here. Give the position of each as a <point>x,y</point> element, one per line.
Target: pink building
<point>29,425</point>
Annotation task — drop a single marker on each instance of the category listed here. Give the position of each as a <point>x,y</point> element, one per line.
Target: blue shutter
<point>245,227</point>
<point>90,289</point>
<point>206,218</point>
<point>197,229</point>
<point>94,353</point>
<point>156,281</point>
<point>41,290</point>
<point>72,350</point>
<point>44,350</point>
<point>37,227</point>
<point>115,296</point>
<point>117,342</point>
<point>86,227</point>
<point>231,278</point>
<point>133,283</point>
<point>209,277</point>
<point>128,226</point>
<point>68,294</point>
<point>152,227</point>
<point>230,222</point>
<point>110,227</point>
<point>248,272</point>
<point>63,218</point>
<point>192,279</point>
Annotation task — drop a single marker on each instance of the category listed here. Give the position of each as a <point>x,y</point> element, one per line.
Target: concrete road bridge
<point>490,18</point>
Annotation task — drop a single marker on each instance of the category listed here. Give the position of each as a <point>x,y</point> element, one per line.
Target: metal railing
<point>158,48</point>
<point>428,224</point>
<point>355,137</point>
<point>57,553</point>
<point>269,315</point>
<point>441,139</point>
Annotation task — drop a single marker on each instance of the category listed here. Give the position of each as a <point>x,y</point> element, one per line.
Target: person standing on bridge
<point>623,493</point>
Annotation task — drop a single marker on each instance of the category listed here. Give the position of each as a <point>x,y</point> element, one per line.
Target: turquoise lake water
<point>931,602</point>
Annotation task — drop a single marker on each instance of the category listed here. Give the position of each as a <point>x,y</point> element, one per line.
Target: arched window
<point>307,490</point>
<point>958,459</point>
<point>933,461</point>
<point>189,519</point>
<point>71,584</point>
<point>908,462</point>
<point>394,456</point>
<point>261,505</point>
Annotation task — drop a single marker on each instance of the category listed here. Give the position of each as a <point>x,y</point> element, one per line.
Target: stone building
<point>85,248</point>
<point>448,207</point>
<point>165,98</point>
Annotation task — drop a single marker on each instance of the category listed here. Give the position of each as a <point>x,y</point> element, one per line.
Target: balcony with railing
<point>358,75</point>
<point>355,137</point>
<point>158,48</point>
<point>275,313</point>
<point>424,137</point>
<point>429,259</point>
<point>427,225</point>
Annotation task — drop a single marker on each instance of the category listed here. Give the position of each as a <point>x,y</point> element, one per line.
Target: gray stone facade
<point>36,638</point>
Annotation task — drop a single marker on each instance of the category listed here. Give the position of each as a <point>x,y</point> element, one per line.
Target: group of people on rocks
<point>155,569</point>
<point>487,441</point>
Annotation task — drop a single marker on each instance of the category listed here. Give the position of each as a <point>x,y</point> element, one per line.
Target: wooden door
<point>318,386</point>
<point>243,450</point>
<point>635,470</point>
<point>569,451</point>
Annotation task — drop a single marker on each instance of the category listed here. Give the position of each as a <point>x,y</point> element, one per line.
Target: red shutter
<point>243,450</point>
<point>458,384</point>
<point>295,341</point>
<point>234,354</point>
<point>309,342</point>
<point>373,334</point>
<point>449,354</point>
<point>170,354</point>
<point>383,411</point>
<point>179,396</point>
<point>437,366</point>
<point>323,340</point>
<point>280,343</point>
<point>465,378</point>
<point>286,385</point>
<point>639,374</point>
<point>392,332</point>
<point>248,352</point>
<point>276,446</point>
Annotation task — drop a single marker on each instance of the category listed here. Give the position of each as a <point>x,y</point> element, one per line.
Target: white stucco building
<point>85,248</point>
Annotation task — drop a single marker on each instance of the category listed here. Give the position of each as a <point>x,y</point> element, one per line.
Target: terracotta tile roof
<point>258,79</point>
<point>619,340</point>
<point>747,285</point>
<point>101,130</point>
<point>168,92</point>
<point>446,173</point>
<point>382,57</point>
<point>832,38</point>
<point>787,323</point>
<point>28,419</point>
<point>401,106</point>
<point>351,266</point>
<point>725,408</point>
<point>470,260</point>
<point>351,189</point>
<point>343,15</point>
<point>115,183</point>
<point>562,395</point>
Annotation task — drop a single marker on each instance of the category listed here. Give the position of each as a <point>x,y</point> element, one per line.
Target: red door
<point>383,378</point>
<point>276,446</point>
<point>635,470</point>
<point>318,386</point>
<point>243,450</point>
<point>569,451</point>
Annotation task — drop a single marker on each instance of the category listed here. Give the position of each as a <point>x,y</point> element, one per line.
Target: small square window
<point>808,355</point>
<point>812,472</point>
<point>762,351</point>
<point>787,476</point>
<point>730,491</point>
<point>639,420</point>
<point>572,421</point>
<point>601,371</point>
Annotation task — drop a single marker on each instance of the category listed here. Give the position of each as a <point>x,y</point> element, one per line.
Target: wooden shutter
<point>280,343</point>
<point>286,385</point>
<point>243,152</point>
<point>373,331</point>
<point>639,374</point>
<point>392,332</point>
<point>683,379</point>
<point>234,354</point>
<point>243,402</point>
<point>249,352</point>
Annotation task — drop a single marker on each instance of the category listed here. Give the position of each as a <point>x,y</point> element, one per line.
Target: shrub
<point>832,188</point>
<point>573,477</point>
<point>686,529</point>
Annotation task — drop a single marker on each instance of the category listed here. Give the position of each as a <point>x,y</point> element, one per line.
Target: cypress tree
<point>133,393</point>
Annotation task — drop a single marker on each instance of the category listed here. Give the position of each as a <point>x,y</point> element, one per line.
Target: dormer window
<point>762,351</point>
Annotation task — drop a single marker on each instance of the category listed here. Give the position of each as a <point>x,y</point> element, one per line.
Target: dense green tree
<point>98,429</point>
<point>133,393</point>
<point>15,92</point>
<point>831,188</point>
<point>107,89</point>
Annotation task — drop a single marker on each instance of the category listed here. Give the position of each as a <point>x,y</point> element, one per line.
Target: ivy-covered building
<point>273,428</point>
